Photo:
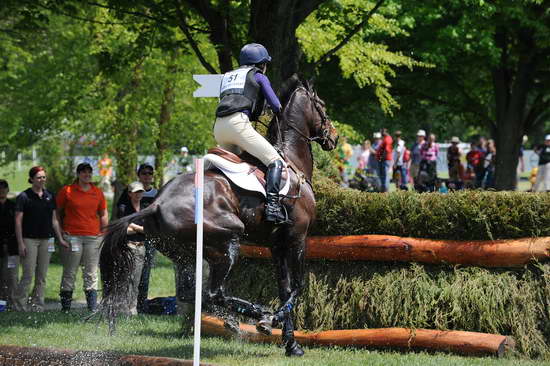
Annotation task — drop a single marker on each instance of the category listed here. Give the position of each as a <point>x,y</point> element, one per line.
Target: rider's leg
<point>273,210</point>
<point>236,129</point>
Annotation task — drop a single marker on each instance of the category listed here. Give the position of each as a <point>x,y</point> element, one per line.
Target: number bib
<point>233,81</point>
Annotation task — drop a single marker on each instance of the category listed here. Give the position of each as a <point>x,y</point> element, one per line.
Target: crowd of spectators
<point>74,218</point>
<point>387,159</point>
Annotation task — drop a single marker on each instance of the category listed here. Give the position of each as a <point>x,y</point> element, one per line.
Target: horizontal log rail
<point>483,253</point>
<point>470,343</point>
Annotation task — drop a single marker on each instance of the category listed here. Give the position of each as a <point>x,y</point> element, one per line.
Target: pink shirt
<point>430,151</point>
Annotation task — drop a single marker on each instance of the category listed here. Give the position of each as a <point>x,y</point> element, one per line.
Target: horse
<point>230,214</point>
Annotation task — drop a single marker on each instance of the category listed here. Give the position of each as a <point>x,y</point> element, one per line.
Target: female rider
<point>242,95</point>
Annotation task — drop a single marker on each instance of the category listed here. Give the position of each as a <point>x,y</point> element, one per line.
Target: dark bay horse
<point>230,214</point>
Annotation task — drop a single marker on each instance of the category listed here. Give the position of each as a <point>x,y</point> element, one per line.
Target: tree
<point>491,67</point>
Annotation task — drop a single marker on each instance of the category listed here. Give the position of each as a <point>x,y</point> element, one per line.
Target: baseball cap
<point>377,135</point>
<point>455,139</point>
<point>547,137</point>
<point>145,166</point>
<point>421,133</point>
<point>184,149</point>
<point>83,166</point>
<point>135,187</point>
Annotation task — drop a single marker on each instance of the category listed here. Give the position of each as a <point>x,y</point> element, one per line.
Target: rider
<point>243,93</point>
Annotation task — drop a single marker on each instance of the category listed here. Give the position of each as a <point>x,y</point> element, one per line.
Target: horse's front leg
<point>289,260</point>
<point>221,262</point>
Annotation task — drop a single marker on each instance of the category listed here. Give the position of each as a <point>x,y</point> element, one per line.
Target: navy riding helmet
<point>252,54</point>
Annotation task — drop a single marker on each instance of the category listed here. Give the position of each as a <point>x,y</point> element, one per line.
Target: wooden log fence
<point>469,343</point>
<point>490,253</point>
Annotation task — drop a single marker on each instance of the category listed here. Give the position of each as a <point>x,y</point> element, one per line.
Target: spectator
<point>105,165</point>
<point>542,183</point>
<point>83,210</point>
<point>429,153</point>
<point>416,156</point>
<point>521,160</point>
<point>363,159</point>
<point>9,253</point>
<point>35,224</point>
<point>345,152</point>
<point>372,165</point>
<point>136,241</point>
<point>145,174</point>
<point>400,159</point>
<point>489,164</point>
<point>456,170</point>
<point>476,159</point>
<point>184,161</point>
<point>384,155</point>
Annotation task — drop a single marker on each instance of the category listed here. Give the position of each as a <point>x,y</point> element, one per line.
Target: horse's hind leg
<point>289,264</point>
<point>221,262</point>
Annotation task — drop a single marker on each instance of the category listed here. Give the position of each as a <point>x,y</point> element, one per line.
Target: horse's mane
<point>288,87</point>
<point>285,93</point>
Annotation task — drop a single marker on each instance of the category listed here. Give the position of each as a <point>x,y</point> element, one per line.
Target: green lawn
<point>159,336</point>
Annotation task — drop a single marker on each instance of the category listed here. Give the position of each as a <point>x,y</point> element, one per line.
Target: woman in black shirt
<point>136,241</point>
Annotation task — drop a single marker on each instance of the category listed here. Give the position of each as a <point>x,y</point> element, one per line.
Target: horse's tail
<point>116,263</point>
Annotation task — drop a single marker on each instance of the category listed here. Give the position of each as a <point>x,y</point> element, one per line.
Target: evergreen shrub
<point>358,295</point>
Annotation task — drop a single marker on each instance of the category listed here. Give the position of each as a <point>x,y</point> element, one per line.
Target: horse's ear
<point>309,84</point>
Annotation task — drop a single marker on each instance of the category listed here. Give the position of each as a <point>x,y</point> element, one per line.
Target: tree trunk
<point>273,24</point>
<point>164,118</point>
<point>125,138</point>
<point>511,88</point>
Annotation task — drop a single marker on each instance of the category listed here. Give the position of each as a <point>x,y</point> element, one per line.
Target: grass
<point>159,336</point>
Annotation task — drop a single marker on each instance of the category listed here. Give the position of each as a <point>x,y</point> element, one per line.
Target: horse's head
<point>320,126</point>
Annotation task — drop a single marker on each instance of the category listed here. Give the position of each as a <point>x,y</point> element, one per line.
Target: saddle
<point>244,170</point>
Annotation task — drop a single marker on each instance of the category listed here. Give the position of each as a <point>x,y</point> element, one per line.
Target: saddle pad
<point>240,174</point>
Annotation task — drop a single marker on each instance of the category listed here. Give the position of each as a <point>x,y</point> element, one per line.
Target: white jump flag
<point>199,189</point>
<point>210,85</point>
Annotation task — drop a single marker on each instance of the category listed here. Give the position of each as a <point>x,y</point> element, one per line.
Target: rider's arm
<point>268,92</point>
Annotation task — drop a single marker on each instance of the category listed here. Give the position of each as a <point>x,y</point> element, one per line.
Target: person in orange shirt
<point>83,210</point>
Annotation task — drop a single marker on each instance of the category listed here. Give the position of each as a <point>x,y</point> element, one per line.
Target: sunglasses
<point>147,173</point>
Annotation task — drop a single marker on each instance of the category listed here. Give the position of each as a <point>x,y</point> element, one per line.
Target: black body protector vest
<point>239,91</point>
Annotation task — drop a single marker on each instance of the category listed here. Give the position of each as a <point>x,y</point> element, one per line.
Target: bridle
<point>316,105</point>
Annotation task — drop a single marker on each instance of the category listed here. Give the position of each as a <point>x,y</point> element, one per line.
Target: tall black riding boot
<point>274,212</point>
<point>66,299</point>
<point>91,299</point>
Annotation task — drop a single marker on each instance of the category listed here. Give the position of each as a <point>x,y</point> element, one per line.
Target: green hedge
<point>372,295</point>
<point>359,295</point>
<point>467,215</point>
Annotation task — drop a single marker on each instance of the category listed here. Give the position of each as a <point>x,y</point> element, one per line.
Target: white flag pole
<point>199,187</point>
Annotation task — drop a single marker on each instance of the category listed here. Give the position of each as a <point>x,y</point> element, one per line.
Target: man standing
<point>384,154</point>
<point>416,156</point>
<point>145,175</point>
<point>543,175</point>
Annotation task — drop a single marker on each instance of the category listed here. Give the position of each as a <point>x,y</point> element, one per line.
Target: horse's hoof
<point>294,350</point>
<point>264,325</point>
<point>232,325</point>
